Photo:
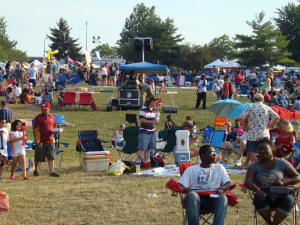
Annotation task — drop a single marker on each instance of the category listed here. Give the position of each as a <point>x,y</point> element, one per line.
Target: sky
<point>199,21</point>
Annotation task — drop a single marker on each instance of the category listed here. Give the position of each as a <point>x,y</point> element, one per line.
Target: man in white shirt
<point>3,144</point>
<point>206,176</point>
<point>32,75</point>
<point>201,93</point>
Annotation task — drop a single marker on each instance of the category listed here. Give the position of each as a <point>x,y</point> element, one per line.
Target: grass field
<point>78,197</point>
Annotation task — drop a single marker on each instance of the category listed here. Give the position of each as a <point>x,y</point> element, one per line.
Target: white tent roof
<point>217,64</point>
<point>231,64</point>
<point>37,63</point>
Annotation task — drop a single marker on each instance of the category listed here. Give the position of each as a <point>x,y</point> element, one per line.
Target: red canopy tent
<point>286,114</point>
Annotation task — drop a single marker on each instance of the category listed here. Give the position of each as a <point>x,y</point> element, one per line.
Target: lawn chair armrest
<point>63,143</point>
<point>173,185</point>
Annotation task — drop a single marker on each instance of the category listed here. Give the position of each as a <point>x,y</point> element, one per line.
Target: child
<point>3,144</point>
<point>38,98</point>
<point>17,149</point>
<point>285,138</point>
<point>24,97</point>
<point>118,139</point>
<point>60,98</point>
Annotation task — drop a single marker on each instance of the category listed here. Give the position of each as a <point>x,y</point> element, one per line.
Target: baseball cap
<point>45,105</point>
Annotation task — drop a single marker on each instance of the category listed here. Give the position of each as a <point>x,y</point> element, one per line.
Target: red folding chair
<point>86,99</point>
<point>205,216</point>
<point>69,98</point>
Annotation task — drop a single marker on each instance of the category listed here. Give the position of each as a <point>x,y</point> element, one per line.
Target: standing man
<point>19,75</point>
<point>149,117</point>
<point>260,119</point>
<point>201,92</point>
<point>6,114</point>
<point>32,75</point>
<point>43,139</point>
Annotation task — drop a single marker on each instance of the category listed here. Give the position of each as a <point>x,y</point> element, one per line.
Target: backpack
<point>157,161</point>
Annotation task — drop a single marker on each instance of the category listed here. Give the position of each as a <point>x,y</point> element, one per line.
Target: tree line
<point>275,41</point>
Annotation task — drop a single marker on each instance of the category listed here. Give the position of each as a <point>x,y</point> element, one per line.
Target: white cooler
<point>182,150</point>
<point>96,161</point>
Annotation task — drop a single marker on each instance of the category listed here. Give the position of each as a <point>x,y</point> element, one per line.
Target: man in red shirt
<point>43,139</point>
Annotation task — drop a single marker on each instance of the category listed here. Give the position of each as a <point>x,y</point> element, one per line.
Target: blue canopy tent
<point>144,67</point>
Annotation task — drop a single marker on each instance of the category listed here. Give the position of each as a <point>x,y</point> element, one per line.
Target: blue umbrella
<point>236,112</point>
<point>222,108</point>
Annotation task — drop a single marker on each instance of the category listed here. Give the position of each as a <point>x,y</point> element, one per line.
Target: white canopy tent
<point>215,64</point>
<point>37,63</point>
<point>231,64</point>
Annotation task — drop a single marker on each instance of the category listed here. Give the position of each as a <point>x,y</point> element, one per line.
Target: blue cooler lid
<point>60,119</point>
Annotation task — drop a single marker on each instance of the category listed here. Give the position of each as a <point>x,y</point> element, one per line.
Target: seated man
<point>205,177</point>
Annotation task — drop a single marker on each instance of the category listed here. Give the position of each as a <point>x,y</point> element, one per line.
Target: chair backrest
<point>60,119</point>
<point>69,97</point>
<point>89,140</point>
<point>244,89</point>
<point>130,135</point>
<point>217,139</point>
<point>88,135</point>
<point>131,118</point>
<point>220,121</point>
<point>85,98</point>
<point>207,132</point>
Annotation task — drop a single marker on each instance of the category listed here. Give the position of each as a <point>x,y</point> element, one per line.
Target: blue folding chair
<point>297,153</point>
<point>217,139</point>
<point>59,152</point>
<point>244,89</point>
<point>207,132</point>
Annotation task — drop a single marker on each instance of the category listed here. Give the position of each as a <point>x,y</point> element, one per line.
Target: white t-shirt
<point>3,140</point>
<point>18,91</point>
<point>104,71</point>
<point>19,149</point>
<point>202,86</point>
<point>38,100</point>
<point>32,73</point>
<point>198,178</point>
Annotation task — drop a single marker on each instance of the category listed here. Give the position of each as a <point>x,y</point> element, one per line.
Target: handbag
<point>278,192</point>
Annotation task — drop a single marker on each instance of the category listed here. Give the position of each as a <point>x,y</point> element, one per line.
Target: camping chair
<point>294,213</point>
<point>85,99</point>
<point>217,139</point>
<point>220,122</point>
<point>69,98</point>
<point>207,132</point>
<point>130,118</point>
<point>244,90</point>
<point>88,141</point>
<point>205,216</point>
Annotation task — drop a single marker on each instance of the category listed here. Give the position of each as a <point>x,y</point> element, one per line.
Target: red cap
<point>45,105</point>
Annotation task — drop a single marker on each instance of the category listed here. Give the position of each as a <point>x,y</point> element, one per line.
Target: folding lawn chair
<point>220,122</point>
<point>217,139</point>
<point>205,216</point>
<point>85,99</point>
<point>294,213</point>
<point>244,91</point>
<point>88,141</point>
<point>69,98</point>
<point>207,132</point>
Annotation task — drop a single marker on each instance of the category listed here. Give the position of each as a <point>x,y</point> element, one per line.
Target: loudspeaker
<point>169,109</point>
<point>137,43</point>
<point>148,44</point>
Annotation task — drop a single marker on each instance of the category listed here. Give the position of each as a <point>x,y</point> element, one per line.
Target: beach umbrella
<point>236,112</point>
<point>222,108</point>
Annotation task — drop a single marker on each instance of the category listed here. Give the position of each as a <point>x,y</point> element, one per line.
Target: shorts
<point>43,152</point>
<point>251,146</point>
<point>3,160</point>
<point>147,140</point>
<point>18,152</point>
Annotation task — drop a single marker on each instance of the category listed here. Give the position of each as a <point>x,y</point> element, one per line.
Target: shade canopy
<point>144,67</point>
<point>215,64</point>
<point>231,64</point>
<point>286,114</point>
<point>237,112</point>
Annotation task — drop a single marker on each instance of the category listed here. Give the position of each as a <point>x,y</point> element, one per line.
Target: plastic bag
<point>4,204</point>
<point>117,168</point>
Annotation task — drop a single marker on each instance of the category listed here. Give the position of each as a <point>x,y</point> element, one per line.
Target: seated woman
<point>285,138</point>
<point>24,97</point>
<point>266,172</point>
<point>118,139</point>
<point>169,123</point>
<point>10,96</point>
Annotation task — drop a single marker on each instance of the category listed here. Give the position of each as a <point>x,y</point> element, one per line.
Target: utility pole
<point>86,48</point>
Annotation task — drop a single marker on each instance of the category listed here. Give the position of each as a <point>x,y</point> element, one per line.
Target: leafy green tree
<point>63,42</point>
<point>265,45</point>
<point>8,49</point>
<point>106,50</point>
<point>288,22</point>
<point>143,22</point>
<point>222,47</point>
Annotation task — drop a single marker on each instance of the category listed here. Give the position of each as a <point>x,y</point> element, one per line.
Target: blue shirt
<point>297,105</point>
<point>6,114</point>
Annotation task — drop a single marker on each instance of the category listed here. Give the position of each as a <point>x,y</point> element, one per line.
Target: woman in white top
<point>118,139</point>
<point>16,148</point>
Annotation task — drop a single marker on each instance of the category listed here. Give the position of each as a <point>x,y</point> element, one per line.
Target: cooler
<point>96,161</point>
<point>182,150</point>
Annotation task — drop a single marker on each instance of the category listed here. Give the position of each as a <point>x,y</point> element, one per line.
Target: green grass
<point>78,197</point>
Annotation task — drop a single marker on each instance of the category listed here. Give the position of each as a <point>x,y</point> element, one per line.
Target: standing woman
<point>17,149</point>
<point>149,117</point>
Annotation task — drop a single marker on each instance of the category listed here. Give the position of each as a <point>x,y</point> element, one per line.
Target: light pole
<point>45,46</point>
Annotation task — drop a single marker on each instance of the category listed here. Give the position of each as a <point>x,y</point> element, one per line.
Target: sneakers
<point>12,177</point>
<point>53,174</point>
<point>35,173</point>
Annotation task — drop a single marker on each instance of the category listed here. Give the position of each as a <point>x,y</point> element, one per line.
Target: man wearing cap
<point>6,114</point>
<point>260,118</point>
<point>43,139</point>
<point>149,117</point>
